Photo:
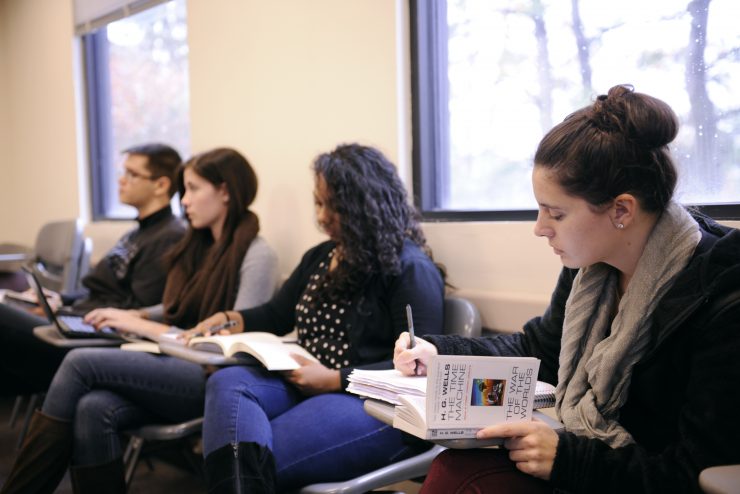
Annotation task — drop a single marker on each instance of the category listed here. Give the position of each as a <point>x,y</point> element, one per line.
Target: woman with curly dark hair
<point>346,301</point>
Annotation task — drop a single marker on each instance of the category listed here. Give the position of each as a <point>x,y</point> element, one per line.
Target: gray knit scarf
<point>596,369</point>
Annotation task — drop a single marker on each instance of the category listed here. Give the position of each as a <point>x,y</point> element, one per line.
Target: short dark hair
<point>162,161</point>
<point>617,145</point>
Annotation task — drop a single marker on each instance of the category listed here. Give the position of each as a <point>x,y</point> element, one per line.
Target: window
<point>137,92</point>
<point>490,78</point>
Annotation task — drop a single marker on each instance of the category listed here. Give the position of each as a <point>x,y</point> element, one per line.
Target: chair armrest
<point>720,480</point>
<point>410,468</point>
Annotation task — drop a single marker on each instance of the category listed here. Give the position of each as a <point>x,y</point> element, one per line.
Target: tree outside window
<point>516,68</point>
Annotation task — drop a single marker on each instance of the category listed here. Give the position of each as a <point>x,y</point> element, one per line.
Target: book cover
<point>466,393</point>
<point>461,395</point>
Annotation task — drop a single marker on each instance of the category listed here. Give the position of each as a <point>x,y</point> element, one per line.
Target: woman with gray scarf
<point>643,329</point>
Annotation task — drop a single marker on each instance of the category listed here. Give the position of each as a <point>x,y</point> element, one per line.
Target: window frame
<point>430,124</point>
<point>100,131</point>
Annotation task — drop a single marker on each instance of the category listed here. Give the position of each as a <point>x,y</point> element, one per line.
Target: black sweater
<point>378,314</point>
<point>142,272</point>
<point>682,407</point>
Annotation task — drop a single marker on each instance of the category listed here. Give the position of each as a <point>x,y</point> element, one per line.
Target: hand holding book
<point>532,445</point>
<point>312,377</point>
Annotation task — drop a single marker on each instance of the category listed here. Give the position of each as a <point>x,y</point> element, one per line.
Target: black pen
<point>412,338</point>
<point>215,329</point>
<point>218,327</point>
<point>208,332</point>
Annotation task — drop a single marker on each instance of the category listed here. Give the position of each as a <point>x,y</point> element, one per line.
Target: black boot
<point>105,478</point>
<point>246,468</point>
<point>43,458</point>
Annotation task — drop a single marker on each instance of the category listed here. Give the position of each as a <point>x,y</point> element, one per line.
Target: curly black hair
<point>375,216</point>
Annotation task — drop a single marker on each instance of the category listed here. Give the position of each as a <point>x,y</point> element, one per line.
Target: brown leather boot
<point>43,458</point>
<point>105,478</point>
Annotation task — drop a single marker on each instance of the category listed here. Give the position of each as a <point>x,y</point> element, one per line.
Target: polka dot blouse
<point>320,324</point>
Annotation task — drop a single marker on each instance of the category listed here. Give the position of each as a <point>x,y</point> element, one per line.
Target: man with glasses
<point>130,276</point>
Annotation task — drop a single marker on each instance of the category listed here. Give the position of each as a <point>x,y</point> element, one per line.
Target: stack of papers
<point>386,385</point>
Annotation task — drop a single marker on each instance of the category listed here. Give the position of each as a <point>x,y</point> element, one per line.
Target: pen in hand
<point>220,327</point>
<point>213,330</point>
<point>412,338</point>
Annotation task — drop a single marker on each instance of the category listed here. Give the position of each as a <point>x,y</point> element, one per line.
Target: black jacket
<point>682,406</point>
<point>378,314</point>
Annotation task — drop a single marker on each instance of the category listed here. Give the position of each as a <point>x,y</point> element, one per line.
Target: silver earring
<point>620,226</point>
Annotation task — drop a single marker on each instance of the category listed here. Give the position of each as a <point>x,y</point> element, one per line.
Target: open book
<point>272,351</point>
<point>269,349</point>
<point>460,396</point>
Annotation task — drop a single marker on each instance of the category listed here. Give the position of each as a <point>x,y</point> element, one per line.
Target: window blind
<point>90,15</point>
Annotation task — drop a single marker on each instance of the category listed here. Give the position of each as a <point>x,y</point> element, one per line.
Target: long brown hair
<point>203,275</point>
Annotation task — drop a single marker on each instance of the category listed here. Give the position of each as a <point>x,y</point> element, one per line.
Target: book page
<point>385,385</point>
<point>413,409</point>
<point>222,343</point>
<point>274,356</point>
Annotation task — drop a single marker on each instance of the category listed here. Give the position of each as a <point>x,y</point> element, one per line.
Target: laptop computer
<point>70,326</point>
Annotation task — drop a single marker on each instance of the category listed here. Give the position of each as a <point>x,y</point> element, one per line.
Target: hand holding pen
<point>217,329</point>
<point>411,354</point>
<point>211,326</point>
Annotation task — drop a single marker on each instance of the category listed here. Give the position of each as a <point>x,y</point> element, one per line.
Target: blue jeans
<point>105,391</point>
<point>322,438</point>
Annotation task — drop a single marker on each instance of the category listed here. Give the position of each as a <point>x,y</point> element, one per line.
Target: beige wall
<point>283,81</point>
<point>4,119</point>
<point>279,80</point>
<point>39,154</point>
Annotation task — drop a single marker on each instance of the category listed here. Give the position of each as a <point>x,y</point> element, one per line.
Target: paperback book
<point>460,396</point>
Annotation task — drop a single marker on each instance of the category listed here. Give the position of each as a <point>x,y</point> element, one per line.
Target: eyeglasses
<point>132,175</point>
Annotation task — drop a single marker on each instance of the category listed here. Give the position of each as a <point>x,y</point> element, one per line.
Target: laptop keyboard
<point>75,323</point>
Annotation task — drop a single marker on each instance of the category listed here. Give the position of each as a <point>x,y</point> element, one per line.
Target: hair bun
<point>647,121</point>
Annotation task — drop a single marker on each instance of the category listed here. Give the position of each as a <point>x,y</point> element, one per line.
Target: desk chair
<point>167,432</point>
<point>461,318</point>
<point>34,401</point>
<point>60,260</point>
<point>61,256</point>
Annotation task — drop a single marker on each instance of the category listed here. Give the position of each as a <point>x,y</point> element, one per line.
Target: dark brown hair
<point>617,145</point>
<point>204,275</point>
<point>162,161</point>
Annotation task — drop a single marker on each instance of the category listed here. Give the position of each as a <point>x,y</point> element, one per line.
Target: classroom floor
<point>153,477</point>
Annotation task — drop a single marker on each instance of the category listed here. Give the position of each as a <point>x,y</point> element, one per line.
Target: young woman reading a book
<point>643,329</point>
<point>220,264</point>
<point>346,300</point>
